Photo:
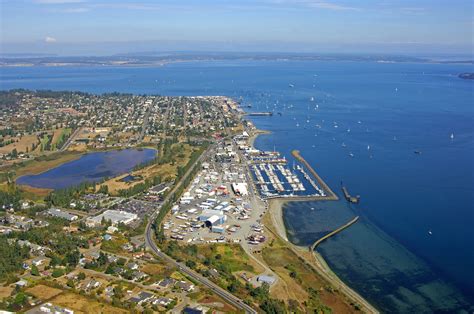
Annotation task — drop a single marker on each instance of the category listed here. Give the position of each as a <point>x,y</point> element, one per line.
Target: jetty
<point>331,196</point>
<point>327,236</point>
<point>348,197</point>
<point>267,113</point>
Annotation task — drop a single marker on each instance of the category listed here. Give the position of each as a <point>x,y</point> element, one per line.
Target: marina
<point>273,177</point>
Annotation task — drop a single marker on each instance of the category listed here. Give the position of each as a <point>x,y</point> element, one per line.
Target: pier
<point>330,194</point>
<point>327,236</point>
<point>267,113</point>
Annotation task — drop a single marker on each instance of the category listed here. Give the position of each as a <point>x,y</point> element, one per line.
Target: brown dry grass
<point>36,192</point>
<point>81,304</point>
<point>78,147</point>
<point>5,292</point>
<point>154,269</point>
<point>24,142</point>
<point>44,292</point>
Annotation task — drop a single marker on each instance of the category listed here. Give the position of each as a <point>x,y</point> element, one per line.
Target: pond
<point>91,167</point>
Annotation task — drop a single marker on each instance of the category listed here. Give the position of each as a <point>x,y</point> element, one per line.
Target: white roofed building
<point>114,216</point>
<point>240,188</point>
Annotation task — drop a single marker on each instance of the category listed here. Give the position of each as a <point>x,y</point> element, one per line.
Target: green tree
<point>34,270</point>
<point>57,272</point>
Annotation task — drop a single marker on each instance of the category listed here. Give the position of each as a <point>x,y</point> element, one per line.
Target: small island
<point>466,76</point>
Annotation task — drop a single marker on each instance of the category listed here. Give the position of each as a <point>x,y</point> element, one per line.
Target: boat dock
<point>330,195</point>
<point>327,236</point>
<point>348,197</point>
<point>266,113</point>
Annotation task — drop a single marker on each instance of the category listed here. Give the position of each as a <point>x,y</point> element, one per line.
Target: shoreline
<point>275,212</point>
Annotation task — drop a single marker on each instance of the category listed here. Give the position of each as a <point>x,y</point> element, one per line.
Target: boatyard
<point>218,206</point>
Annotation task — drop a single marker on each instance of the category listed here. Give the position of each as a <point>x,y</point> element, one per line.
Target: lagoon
<point>91,167</point>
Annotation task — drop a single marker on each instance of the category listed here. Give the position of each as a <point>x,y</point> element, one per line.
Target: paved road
<point>69,140</point>
<point>150,243</point>
<point>145,122</point>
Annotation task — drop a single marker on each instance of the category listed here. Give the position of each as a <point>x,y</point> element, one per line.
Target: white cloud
<point>50,40</point>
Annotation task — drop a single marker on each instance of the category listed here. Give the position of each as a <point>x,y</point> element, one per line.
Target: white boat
<point>452,136</point>
<point>351,154</point>
<point>368,147</point>
<point>429,232</point>
<point>312,98</point>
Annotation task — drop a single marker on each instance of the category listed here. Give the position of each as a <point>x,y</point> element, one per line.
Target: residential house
<point>143,296</point>
<point>185,286</point>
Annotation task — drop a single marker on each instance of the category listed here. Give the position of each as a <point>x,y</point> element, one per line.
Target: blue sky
<point>116,26</point>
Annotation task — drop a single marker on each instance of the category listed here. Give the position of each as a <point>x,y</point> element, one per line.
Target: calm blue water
<point>388,256</point>
<point>91,167</point>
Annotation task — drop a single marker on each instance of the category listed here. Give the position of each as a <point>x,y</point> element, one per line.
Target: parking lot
<point>218,206</point>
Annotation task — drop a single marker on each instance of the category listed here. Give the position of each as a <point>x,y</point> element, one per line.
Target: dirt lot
<point>44,292</point>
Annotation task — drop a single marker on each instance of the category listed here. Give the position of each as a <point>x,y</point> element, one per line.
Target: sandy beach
<point>255,134</point>
<point>275,208</point>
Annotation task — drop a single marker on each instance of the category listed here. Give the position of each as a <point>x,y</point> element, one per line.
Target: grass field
<point>59,135</point>
<point>43,143</point>
<point>24,142</point>
<point>82,304</point>
<point>233,256</point>
<point>155,269</point>
<point>44,292</point>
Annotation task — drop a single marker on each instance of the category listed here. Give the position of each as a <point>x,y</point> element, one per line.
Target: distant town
<point>160,59</point>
